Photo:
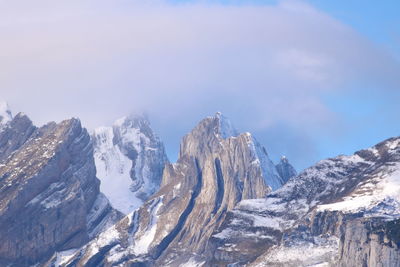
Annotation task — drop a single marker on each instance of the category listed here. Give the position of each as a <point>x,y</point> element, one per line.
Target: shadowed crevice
<point>183,218</point>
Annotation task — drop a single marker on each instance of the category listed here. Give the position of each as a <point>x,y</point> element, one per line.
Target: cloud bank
<point>268,67</point>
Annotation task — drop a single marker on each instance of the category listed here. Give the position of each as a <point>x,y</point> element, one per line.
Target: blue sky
<point>372,116</point>
<point>367,118</point>
<point>310,79</point>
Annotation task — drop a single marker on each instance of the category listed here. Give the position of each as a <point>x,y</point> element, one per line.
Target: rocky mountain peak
<point>50,198</point>
<point>15,134</point>
<point>225,127</point>
<point>135,122</point>
<point>216,168</point>
<point>209,134</point>
<point>130,159</point>
<point>223,203</point>
<point>285,169</point>
<point>217,126</point>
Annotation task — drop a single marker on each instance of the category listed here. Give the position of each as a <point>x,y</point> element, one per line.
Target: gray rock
<point>285,169</point>
<point>14,134</point>
<point>221,204</point>
<point>315,203</point>
<point>372,242</point>
<point>215,171</point>
<point>48,187</point>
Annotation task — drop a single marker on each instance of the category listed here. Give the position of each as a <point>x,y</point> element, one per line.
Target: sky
<point>309,79</point>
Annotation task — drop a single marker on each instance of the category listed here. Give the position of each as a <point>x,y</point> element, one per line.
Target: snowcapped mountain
<point>130,160</point>
<point>217,168</point>
<point>223,203</point>
<point>343,211</point>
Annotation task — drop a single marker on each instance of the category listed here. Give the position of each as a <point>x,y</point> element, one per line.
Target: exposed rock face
<point>49,192</point>
<point>370,242</point>
<point>216,169</point>
<point>221,204</point>
<point>130,160</point>
<point>285,169</point>
<point>319,211</point>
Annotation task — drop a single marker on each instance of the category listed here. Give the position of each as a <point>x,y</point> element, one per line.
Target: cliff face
<point>216,169</point>
<point>223,203</point>
<point>342,211</point>
<point>370,242</point>
<point>48,187</point>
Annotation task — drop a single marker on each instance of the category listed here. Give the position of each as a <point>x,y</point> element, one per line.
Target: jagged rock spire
<point>216,168</point>
<point>285,169</point>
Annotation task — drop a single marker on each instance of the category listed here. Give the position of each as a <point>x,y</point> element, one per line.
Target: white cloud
<point>101,59</point>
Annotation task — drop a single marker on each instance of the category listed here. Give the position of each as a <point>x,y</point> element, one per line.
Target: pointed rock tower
<point>285,169</point>
<point>216,168</point>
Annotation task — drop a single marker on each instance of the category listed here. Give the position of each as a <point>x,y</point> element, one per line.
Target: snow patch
<point>110,236</point>
<point>193,263</point>
<point>226,233</point>
<point>142,244</point>
<point>259,205</point>
<point>383,188</point>
<point>319,253</point>
<point>64,256</point>
<point>113,170</point>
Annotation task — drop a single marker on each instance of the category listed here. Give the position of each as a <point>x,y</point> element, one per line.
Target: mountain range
<point>111,197</point>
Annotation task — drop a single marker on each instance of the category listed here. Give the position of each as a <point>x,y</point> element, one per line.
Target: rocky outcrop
<point>313,210</point>
<point>285,169</point>
<point>49,193</point>
<point>14,134</point>
<point>130,160</point>
<point>216,169</point>
<point>335,238</point>
<point>223,203</point>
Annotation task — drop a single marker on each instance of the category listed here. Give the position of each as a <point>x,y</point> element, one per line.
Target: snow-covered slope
<point>213,207</point>
<point>377,196</point>
<point>130,160</point>
<point>350,199</point>
<point>216,168</point>
<point>270,172</point>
